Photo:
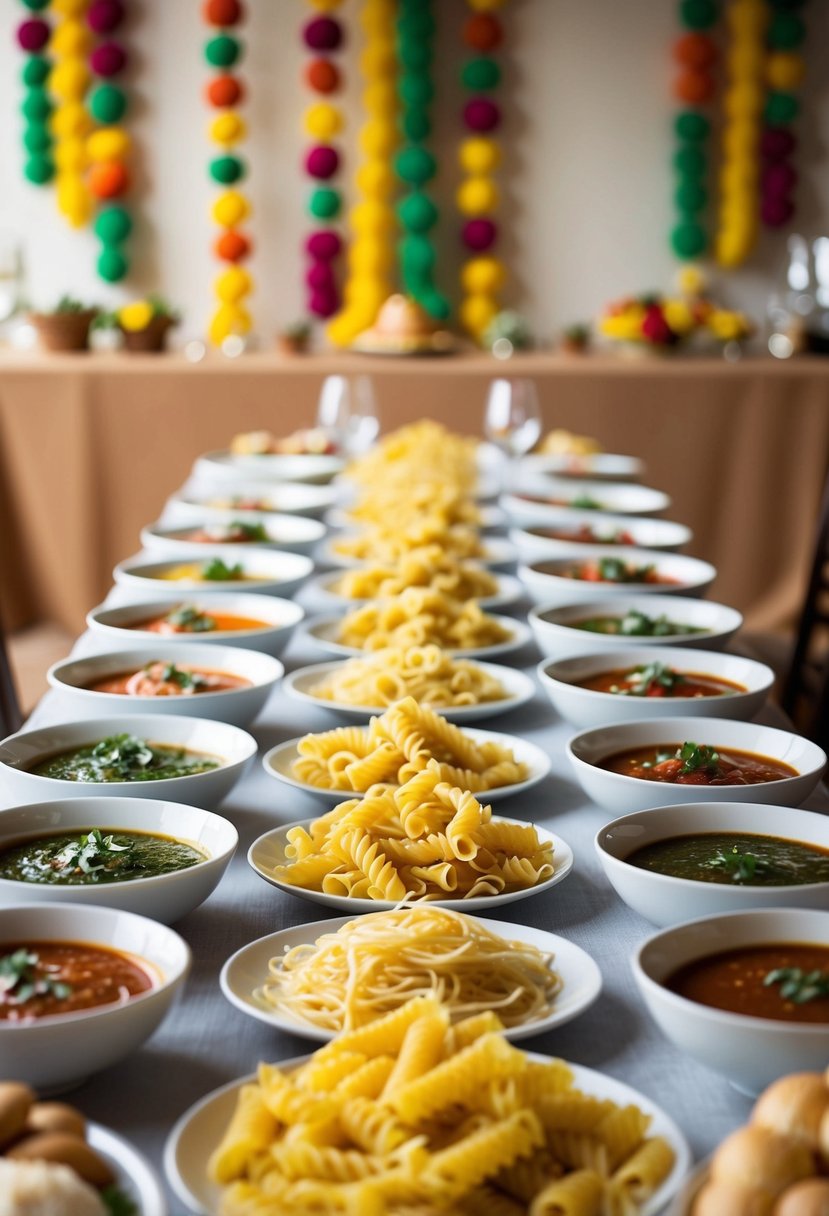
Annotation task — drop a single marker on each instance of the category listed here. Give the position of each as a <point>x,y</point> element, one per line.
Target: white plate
<point>601,466</point>
<point>198,499</point>
<point>519,686</point>
<point>247,969</point>
<point>277,763</point>
<point>490,517</point>
<point>613,498</point>
<point>269,851</point>
<point>509,589</point>
<point>323,631</point>
<point>227,466</point>
<point>200,1129</point>
<point>497,552</point>
<point>133,1173</point>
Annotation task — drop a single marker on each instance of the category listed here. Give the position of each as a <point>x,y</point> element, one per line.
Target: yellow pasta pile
<point>419,617</point>
<point>393,506</point>
<point>418,452</point>
<point>411,1117</point>
<point>376,963</point>
<point>426,673</point>
<point>389,543</point>
<point>429,566</point>
<point>425,840</point>
<point>398,745</point>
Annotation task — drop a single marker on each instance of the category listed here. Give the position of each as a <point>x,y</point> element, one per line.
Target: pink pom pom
<point>33,35</point>
<point>104,16</point>
<point>776,211</point>
<point>779,179</point>
<point>479,234</point>
<point>777,143</point>
<point>481,114</point>
<point>108,59</point>
<point>323,303</point>
<point>323,34</point>
<point>324,245</point>
<point>320,277</point>
<point>322,162</point>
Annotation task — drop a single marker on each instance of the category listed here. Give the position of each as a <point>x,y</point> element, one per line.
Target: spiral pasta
<point>384,543</point>
<point>428,566</point>
<point>426,673</point>
<point>419,616</point>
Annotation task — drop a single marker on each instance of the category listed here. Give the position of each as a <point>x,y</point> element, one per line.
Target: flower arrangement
<point>294,339</point>
<point>143,323</point>
<point>665,322</point>
<point>66,326</point>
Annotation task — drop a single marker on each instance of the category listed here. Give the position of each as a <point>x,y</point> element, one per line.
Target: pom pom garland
<point>33,36</point>
<point>69,81</point>
<point>696,54</point>
<point>785,71</point>
<point>104,16</point>
<point>108,148</point>
<point>743,102</point>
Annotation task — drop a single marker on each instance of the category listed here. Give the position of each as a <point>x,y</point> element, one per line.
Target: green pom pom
<point>415,25</point>
<point>688,239</point>
<point>35,71</point>
<point>325,203</point>
<point>692,126</point>
<point>36,137</point>
<point>415,56</point>
<point>690,196</point>
<point>479,75</point>
<point>39,169</point>
<point>781,108</point>
<point>415,89</point>
<point>112,265</point>
<point>112,225</point>
<point>786,31</point>
<point>417,256</point>
<point>415,165</point>
<point>36,105</point>
<point>416,124</point>
<point>435,304</point>
<point>226,170</point>
<point>689,161</point>
<point>417,213</point>
<point>698,14</point>
<point>37,6</point>
<point>222,51</point>
<point>107,104</point>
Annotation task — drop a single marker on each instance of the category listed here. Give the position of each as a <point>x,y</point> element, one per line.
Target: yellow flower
<point>624,326</point>
<point>679,316</point>
<point>135,316</point>
<point>690,280</point>
<point>727,326</point>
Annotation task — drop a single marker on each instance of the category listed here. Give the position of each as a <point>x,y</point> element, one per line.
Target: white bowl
<point>621,794</point>
<point>490,518</point>
<point>202,501</point>
<point>238,706</point>
<point>751,1052</point>
<point>166,897</point>
<point>507,592</point>
<point>520,689</point>
<point>234,747</point>
<point>666,900</point>
<point>497,553</point>
<point>600,466</point>
<point>247,969</point>
<point>324,630</point>
<point>60,1051</point>
<point>290,533</point>
<point>224,466</point>
<point>584,707</point>
<point>134,1175</point>
<point>532,545</point>
<point>278,761</point>
<point>549,494</point>
<point>558,637</point>
<point>268,851</point>
<point>277,573</point>
<point>547,582</point>
<point>280,617</point>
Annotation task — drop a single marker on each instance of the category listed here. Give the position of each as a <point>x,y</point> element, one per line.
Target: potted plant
<point>143,324</point>
<point>67,326</point>
<point>294,339</point>
<point>575,339</point>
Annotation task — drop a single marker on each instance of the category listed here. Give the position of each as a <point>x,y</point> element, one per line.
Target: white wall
<point>588,131</point>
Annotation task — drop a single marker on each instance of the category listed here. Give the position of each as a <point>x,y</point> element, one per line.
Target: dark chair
<point>11,718</point>
<point>806,690</point>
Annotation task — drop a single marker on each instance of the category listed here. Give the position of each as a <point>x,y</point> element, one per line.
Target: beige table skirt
<point>91,446</point>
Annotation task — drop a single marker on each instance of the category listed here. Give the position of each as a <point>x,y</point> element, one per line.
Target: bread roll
<point>15,1102</point>
<point>794,1106</point>
<point>731,1199</point>
<point>809,1198</point>
<point>65,1150</point>
<point>759,1158</point>
<point>55,1117</point>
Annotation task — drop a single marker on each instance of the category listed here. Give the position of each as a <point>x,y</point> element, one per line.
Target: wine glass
<point>512,420</point>
<point>348,411</point>
<point>11,275</point>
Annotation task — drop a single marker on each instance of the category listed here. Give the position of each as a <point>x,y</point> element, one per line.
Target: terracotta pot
<point>286,345</point>
<point>151,339</point>
<point>58,331</point>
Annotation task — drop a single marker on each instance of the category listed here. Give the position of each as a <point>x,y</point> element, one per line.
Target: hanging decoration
<point>785,70</point>
<point>323,35</point>
<point>415,165</point>
<point>33,34</point>
<point>372,219</point>
<point>695,53</point>
<point>222,52</point>
<point>108,147</point>
<point>482,274</point>
<point>68,83</point>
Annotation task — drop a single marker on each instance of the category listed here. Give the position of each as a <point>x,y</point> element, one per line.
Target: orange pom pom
<point>322,76</point>
<point>231,246</point>
<point>108,179</point>
<point>222,12</point>
<point>482,32</point>
<point>694,87</point>
<point>224,91</point>
<point>695,51</point>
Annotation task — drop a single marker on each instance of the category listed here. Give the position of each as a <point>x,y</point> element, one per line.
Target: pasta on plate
<point>399,744</point>
<point>378,962</point>
<point>410,1116</point>
<point>420,616</point>
<point>429,566</point>
<point>389,544</point>
<point>426,673</point>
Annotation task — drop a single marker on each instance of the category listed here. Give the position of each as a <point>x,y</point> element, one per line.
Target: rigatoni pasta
<point>429,566</point>
<point>419,616</point>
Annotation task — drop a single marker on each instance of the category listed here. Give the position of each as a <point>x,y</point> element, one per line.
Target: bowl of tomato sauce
<point>607,572</point>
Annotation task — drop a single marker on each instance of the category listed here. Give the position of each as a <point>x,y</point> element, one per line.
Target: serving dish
<point>279,617</point>
<point>520,689</point>
<point>245,971</point>
<point>547,582</point>
<point>71,679</point>
<point>303,467</point>
<point>660,534</point>
<point>165,897</point>
<point>497,553</point>
<point>270,572</point>
<point>321,587</point>
<point>134,1176</point>
<point>289,533</point>
<point>201,500</point>
<point>200,1129</point>
<point>600,466</point>
<point>324,630</point>
<point>59,1051</point>
<point>234,747</point>
<point>750,1051</point>
<point>585,707</point>
<point>542,497</point>
<point>667,900</point>
<point>277,763</point>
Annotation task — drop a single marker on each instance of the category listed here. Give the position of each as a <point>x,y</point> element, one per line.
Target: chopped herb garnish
<point>20,981</point>
<point>797,985</point>
<point>191,619</point>
<point>248,531</point>
<point>92,852</point>
<point>217,571</point>
<point>117,1202</point>
<point>697,757</point>
<point>186,680</point>
<point>123,752</point>
<point>585,503</point>
<point>645,677</point>
<point>742,867</point>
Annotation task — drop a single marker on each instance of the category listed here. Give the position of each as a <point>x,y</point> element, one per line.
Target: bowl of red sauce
<point>646,763</point>
<point>607,572</point>
<point>291,533</point>
<point>82,988</point>
<point>745,993</point>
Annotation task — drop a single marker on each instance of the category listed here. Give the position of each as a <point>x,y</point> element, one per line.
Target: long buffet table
<point>89,446</point>
<point>205,1042</point>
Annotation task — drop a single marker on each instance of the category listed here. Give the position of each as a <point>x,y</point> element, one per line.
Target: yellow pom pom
<point>136,316</point>
<point>110,143</point>
<point>747,18</point>
<point>785,70</point>
<point>378,138</point>
<point>70,8</point>
<point>737,177</point>
<point>233,284</point>
<point>70,155</point>
<point>70,38</point>
<point>380,97</point>
<point>379,60</point>
<point>743,100</point>
<point>375,179</point>
<point>228,319</point>
<point>485,6</point>
<point>371,219</point>
<point>69,79</point>
<point>73,199</point>
<point>477,196</point>
<point>690,280</point>
<point>679,316</point>
<point>479,155</point>
<point>228,129</point>
<point>746,59</point>
<point>325,6</point>
<point>323,121</point>
<point>70,120</point>
<point>483,276</point>
<point>230,208</point>
<point>739,141</point>
<point>476,313</point>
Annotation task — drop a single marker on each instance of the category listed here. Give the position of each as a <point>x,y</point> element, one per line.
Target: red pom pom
<point>232,246</point>
<point>694,87</point>
<point>222,13</point>
<point>483,32</point>
<point>481,114</point>
<point>656,329</point>
<point>323,245</point>
<point>320,277</point>
<point>104,16</point>
<point>779,179</point>
<point>322,162</point>
<point>33,35</point>
<point>479,234</point>
<point>223,91</point>
<point>776,211</point>
<point>777,143</point>
<point>108,59</point>
<point>323,34</point>
<point>108,179</point>
<point>695,51</point>
<point>322,76</point>
<point>323,303</point>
